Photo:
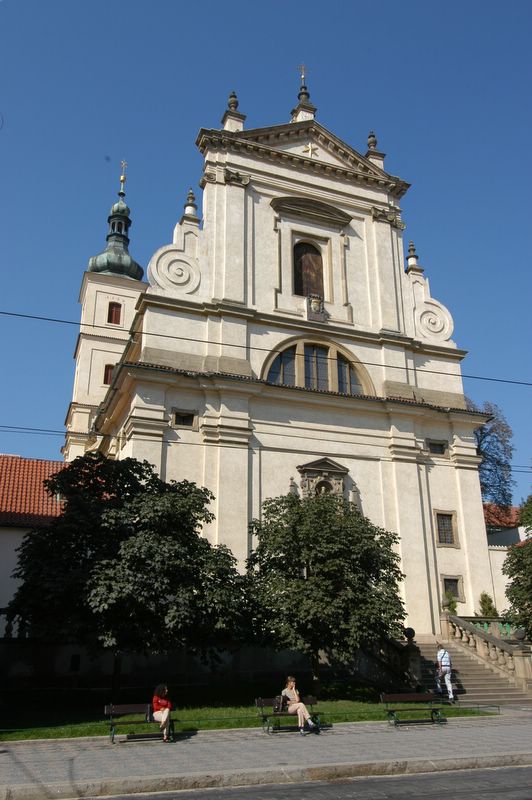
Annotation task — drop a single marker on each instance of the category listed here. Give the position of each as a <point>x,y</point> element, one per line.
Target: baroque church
<point>281,342</point>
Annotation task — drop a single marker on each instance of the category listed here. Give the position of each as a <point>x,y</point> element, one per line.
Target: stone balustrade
<point>515,660</point>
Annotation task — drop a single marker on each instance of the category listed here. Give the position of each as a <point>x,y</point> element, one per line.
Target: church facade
<point>282,342</point>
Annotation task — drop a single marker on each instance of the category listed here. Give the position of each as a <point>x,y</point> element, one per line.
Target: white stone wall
<point>220,303</point>
<point>499,582</point>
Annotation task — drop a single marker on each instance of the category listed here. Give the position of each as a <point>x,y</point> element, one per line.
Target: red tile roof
<point>24,502</point>
<point>501,516</point>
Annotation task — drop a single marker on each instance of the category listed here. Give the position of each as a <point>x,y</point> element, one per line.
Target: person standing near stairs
<point>443,670</point>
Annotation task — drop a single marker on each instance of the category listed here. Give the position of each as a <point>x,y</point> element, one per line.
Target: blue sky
<point>445,85</point>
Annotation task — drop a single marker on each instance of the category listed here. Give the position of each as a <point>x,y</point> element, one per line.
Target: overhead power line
<point>518,468</point>
<point>265,349</point>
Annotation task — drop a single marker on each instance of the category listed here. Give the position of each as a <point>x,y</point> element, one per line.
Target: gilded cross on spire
<point>123,165</point>
<point>302,73</point>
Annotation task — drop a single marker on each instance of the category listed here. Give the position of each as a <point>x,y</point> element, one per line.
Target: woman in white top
<point>295,706</point>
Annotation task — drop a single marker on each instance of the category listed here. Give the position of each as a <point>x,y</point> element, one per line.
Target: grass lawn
<point>61,724</point>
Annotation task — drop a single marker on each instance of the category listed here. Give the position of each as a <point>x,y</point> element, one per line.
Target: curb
<point>256,777</point>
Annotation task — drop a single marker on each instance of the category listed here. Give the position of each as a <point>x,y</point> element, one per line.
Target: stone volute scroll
<point>431,319</point>
<point>174,269</point>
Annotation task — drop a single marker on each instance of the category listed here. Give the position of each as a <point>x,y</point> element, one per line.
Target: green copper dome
<point>115,259</point>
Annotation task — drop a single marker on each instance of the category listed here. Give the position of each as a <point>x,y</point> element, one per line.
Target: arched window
<point>114,313</point>
<point>316,367</point>
<point>308,270</point>
<point>319,366</point>
<point>283,369</point>
<point>348,382</point>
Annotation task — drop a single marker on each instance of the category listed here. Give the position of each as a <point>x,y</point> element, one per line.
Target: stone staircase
<point>473,681</point>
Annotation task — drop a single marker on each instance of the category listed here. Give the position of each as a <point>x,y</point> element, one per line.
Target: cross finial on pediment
<point>310,149</point>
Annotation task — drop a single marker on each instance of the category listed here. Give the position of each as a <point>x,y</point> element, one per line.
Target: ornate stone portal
<point>322,476</point>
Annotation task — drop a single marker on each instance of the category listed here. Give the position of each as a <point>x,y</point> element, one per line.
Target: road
<point>510,783</point>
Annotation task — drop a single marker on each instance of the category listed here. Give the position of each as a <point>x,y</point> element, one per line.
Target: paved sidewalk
<point>77,768</point>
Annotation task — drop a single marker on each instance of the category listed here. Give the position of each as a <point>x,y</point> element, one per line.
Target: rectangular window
<point>114,314</point>
<point>184,419</point>
<point>316,367</point>
<point>445,523</point>
<point>108,374</point>
<point>438,447</point>
<point>451,585</point>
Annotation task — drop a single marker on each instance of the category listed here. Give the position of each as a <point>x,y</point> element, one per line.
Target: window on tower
<point>108,374</point>
<point>308,270</point>
<point>114,314</point>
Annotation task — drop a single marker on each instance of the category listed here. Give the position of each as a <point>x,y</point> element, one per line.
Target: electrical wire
<point>517,468</point>
<point>265,349</point>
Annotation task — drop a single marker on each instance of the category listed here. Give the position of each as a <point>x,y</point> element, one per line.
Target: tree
<point>165,586</point>
<point>518,567</point>
<point>488,608</point>
<point>525,515</point>
<point>494,445</point>
<point>450,603</point>
<point>124,564</point>
<point>323,577</point>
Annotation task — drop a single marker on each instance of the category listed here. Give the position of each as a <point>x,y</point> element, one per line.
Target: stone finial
<point>190,205</point>
<point>373,154</point>
<point>293,487</point>
<point>191,209</point>
<point>232,119</point>
<point>412,259</point>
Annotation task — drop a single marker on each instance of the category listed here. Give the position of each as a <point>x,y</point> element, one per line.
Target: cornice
<point>258,143</point>
<point>330,329</point>
<point>219,380</point>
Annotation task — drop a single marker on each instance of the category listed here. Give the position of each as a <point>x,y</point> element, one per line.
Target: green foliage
<point>518,567</point>
<point>170,584</point>
<point>494,445</point>
<point>323,577</point>
<point>450,602</point>
<point>525,517</point>
<point>124,565</point>
<point>487,606</point>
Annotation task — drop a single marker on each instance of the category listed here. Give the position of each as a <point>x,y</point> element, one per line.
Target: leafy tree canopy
<point>518,567</point>
<point>494,445</point>
<point>525,517</point>
<point>323,577</point>
<point>488,608</point>
<point>124,565</point>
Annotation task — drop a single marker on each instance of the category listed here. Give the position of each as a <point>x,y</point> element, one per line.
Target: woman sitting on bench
<point>295,706</point>
<point>161,709</point>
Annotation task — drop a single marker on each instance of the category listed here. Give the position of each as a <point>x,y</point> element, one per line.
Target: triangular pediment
<point>323,465</point>
<point>308,145</point>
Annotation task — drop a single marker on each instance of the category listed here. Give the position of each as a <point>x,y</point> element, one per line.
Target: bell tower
<point>109,292</point>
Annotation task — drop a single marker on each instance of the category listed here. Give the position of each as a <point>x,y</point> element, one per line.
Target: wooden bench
<point>117,717</point>
<point>271,720</point>
<point>427,701</point>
